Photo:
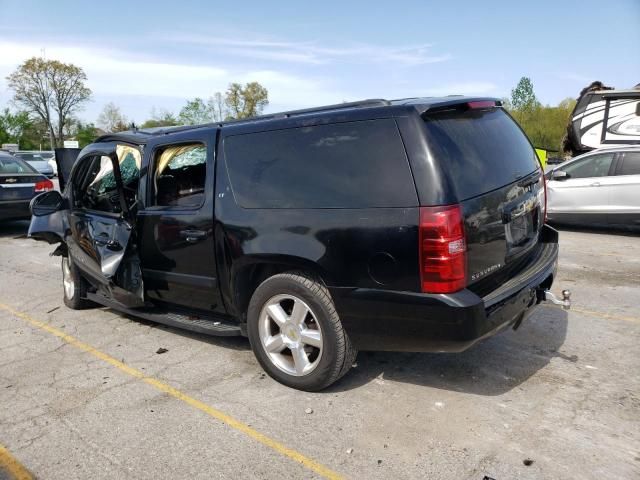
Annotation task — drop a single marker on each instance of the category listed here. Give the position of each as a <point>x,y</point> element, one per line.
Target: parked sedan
<point>19,183</point>
<point>38,162</point>
<point>601,187</point>
<point>50,157</point>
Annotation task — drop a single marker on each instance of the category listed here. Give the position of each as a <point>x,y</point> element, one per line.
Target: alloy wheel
<point>290,335</point>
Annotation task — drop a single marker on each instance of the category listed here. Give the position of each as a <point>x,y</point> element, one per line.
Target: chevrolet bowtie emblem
<point>11,180</point>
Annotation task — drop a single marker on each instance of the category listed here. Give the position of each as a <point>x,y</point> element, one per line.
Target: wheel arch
<point>248,274</point>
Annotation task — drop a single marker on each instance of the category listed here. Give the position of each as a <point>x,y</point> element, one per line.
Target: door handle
<point>595,184</point>
<point>103,240</point>
<point>112,245</point>
<point>192,236</point>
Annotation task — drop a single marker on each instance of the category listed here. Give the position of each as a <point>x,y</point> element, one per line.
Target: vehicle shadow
<point>14,228</point>
<point>491,367</point>
<point>630,231</point>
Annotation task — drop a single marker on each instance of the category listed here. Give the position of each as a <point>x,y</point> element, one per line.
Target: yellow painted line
<point>13,467</point>
<point>598,254</point>
<point>593,313</point>
<point>163,387</point>
<point>608,316</point>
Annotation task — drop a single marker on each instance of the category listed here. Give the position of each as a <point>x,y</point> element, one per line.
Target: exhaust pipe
<point>565,303</point>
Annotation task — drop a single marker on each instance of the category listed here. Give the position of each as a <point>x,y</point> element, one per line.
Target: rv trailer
<point>602,118</point>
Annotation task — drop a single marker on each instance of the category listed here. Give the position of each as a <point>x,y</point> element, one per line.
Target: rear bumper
<point>408,321</point>
<point>14,209</point>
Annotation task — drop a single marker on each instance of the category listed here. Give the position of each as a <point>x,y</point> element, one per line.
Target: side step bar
<point>195,324</point>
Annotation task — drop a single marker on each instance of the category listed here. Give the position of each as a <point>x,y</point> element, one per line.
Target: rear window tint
<point>348,165</point>
<point>481,149</point>
<point>13,165</point>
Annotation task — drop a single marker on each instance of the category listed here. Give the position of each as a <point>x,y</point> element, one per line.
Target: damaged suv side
<point>415,225</point>
<point>94,221</point>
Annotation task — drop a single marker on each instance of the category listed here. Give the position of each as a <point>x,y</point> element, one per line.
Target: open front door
<point>97,220</point>
<point>65,159</point>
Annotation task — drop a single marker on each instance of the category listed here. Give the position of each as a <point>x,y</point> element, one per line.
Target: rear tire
<point>74,287</point>
<point>296,334</point>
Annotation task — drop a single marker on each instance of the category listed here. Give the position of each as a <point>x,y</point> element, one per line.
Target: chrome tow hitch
<point>564,303</point>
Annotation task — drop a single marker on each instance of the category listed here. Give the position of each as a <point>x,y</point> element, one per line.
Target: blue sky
<point>142,55</point>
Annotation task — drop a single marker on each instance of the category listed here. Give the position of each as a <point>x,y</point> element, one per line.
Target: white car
<point>601,187</point>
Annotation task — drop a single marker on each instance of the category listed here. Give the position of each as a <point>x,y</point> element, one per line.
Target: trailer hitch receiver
<point>565,303</point>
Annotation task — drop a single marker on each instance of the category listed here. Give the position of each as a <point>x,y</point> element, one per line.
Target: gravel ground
<point>563,391</point>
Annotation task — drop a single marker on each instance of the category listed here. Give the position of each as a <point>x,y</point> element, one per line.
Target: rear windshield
<point>13,165</point>
<point>30,157</point>
<point>482,149</point>
<point>344,165</point>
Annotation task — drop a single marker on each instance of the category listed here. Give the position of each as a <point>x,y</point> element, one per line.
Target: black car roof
<point>419,104</point>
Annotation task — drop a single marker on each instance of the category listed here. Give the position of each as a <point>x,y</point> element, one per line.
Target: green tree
<point>85,133</point>
<point>545,125</point>
<point>13,126</point>
<point>247,101</point>
<point>160,118</point>
<point>29,133</point>
<point>196,112</point>
<point>35,136</point>
<point>111,119</point>
<point>522,97</point>
<point>51,90</point>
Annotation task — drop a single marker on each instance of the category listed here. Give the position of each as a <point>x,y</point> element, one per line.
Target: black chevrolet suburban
<point>409,225</point>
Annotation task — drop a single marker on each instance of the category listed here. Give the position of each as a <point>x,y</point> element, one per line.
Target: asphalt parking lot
<point>84,394</point>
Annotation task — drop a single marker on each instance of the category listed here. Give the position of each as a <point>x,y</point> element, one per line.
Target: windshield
<point>483,149</point>
<point>12,165</point>
<point>129,159</point>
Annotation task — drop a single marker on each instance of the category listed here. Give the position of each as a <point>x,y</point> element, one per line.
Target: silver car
<point>37,162</point>
<point>601,187</point>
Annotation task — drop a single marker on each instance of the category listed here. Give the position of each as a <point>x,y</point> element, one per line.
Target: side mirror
<point>46,203</point>
<point>560,175</point>
<point>638,109</point>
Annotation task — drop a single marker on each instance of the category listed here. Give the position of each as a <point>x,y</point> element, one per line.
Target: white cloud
<point>136,80</point>
<point>312,53</point>
<point>113,74</point>
<point>464,88</point>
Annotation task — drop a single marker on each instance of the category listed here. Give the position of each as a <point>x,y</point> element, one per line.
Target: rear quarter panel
<point>366,248</point>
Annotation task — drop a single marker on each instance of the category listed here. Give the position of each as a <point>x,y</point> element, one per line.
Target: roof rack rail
<point>371,102</point>
<point>153,131</point>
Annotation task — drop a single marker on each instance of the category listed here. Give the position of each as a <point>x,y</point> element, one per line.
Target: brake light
<point>43,186</point>
<point>481,104</point>
<point>443,249</point>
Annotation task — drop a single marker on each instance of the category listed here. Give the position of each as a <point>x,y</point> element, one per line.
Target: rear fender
<point>248,272</point>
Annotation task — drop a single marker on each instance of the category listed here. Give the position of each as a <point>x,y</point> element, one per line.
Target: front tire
<point>296,334</point>
<point>74,287</point>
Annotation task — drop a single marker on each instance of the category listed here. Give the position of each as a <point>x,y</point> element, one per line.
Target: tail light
<point>43,186</point>
<point>443,250</point>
